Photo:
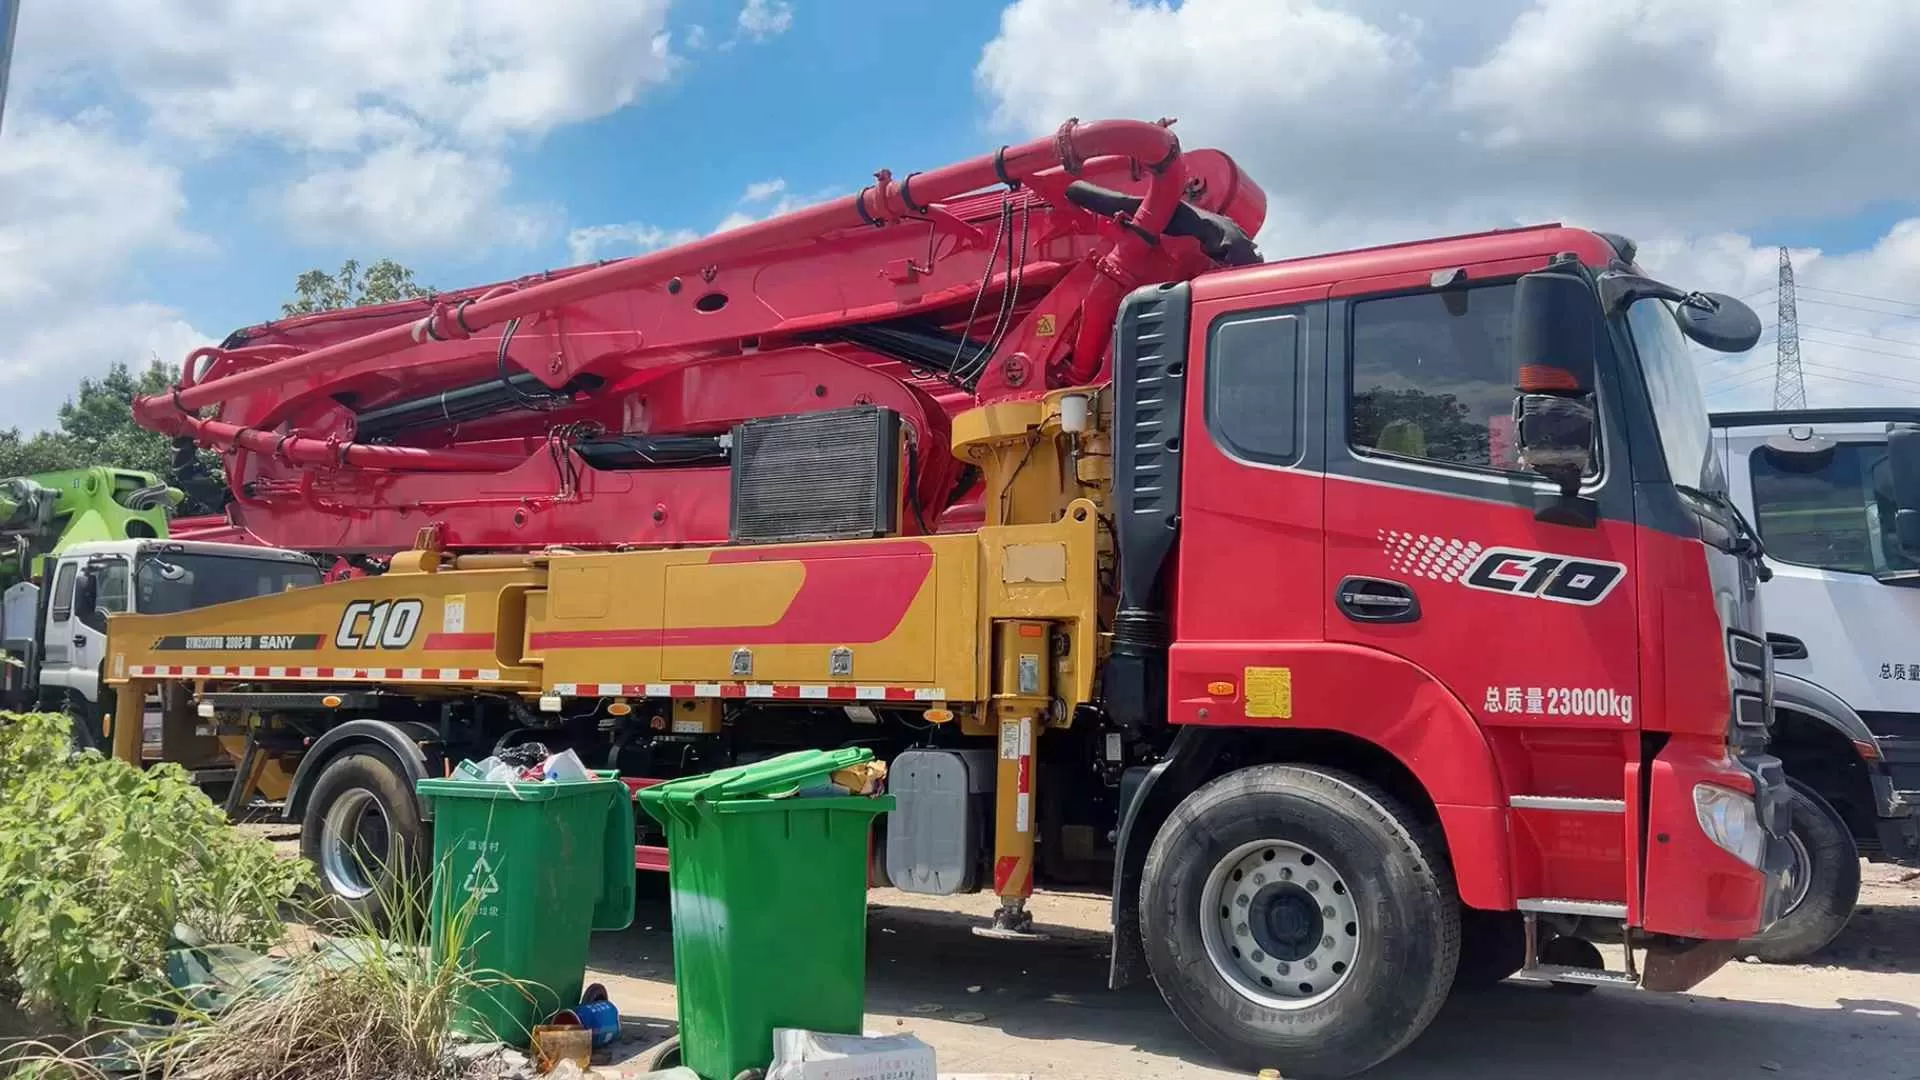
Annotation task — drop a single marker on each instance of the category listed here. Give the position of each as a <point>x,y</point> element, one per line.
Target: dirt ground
<point>1042,1008</point>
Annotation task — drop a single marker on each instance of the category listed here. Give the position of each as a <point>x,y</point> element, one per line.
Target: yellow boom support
<point>995,630</point>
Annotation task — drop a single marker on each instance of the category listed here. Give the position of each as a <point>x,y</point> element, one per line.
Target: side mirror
<point>1903,467</point>
<point>86,592</point>
<point>1556,337</point>
<point>1718,322</point>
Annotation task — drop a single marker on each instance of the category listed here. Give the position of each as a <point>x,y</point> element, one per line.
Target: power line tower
<point>1789,388</point>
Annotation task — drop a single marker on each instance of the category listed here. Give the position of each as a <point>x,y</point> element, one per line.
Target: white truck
<point>1842,614</point>
<point>54,630</point>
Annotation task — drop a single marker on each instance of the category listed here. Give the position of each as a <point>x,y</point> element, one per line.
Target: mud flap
<point>1190,760</point>
<point>1673,968</point>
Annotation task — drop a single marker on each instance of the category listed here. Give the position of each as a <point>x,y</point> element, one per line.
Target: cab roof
<point>1531,242</point>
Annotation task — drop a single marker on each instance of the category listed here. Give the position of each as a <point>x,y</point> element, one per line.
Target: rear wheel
<point>363,833</point>
<point>1299,919</point>
<point>1822,887</point>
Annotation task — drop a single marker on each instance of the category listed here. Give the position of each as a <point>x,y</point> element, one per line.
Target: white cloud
<point>591,242</point>
<point>763,19</point>
<point>1680,122</point>
<point>77,204</point>
<point>351,86</point>
<point>413,197</point>
<point>761,200</point>
<point>763,190</point>
<point>334,76</point>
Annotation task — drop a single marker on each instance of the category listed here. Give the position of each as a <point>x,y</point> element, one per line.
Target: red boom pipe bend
<point>1152,145</point>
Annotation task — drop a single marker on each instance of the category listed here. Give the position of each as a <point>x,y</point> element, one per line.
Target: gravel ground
<point>1042,1008</point>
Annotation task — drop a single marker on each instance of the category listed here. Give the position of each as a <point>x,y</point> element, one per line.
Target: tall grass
<point>364,1002</point>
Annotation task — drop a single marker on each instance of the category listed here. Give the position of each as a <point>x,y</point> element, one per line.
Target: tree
<point>381,283</point>
<point>97,428</point>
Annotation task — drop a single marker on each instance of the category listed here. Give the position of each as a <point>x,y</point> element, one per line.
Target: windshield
<point>1679,409</point>
<point>1833,511</point>
<point>179,581</point>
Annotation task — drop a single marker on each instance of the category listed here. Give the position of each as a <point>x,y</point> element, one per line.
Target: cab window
<point>1432,379</point>
<point>110,594</point>
<point>1831,512</point>
<point>1253,384</point>
<point>62,605</point>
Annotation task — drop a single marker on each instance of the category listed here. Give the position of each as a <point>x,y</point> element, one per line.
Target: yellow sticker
<point>1043,326</point>
<point>1269,692</point>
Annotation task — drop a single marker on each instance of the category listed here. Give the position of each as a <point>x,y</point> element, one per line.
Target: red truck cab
<point>1510,593</point>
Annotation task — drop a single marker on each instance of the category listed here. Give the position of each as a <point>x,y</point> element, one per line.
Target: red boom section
<point>348,431</point>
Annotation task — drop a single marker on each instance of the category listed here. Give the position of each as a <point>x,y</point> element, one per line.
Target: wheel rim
<point>354,841</point>
<point>1799,874</point>
<point>1280,924</point>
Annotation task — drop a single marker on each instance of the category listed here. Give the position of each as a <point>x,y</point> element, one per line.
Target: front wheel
<point>1823,884</point>
<point>1299,919</point>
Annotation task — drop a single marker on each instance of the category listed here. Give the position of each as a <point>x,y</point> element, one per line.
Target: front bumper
<point>1693,887</point>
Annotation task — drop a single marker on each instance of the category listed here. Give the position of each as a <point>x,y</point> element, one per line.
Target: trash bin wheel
<point>1300,918</point>
<point>363,834</point>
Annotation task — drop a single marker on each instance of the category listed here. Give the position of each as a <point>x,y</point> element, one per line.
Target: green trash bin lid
<point>760,782</point>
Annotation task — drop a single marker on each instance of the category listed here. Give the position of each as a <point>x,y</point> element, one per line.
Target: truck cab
<point>63,648</point>
<point>1843,625</point>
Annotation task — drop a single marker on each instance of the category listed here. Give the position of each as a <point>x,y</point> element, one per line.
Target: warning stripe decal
<point>760,691</point>
<point>139,671</point>
<point>764,691</point>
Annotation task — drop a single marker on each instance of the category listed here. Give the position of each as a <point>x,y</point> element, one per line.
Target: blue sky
<point>168,166</point>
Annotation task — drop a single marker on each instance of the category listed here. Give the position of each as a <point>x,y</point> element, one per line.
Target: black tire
<point>1493,946</point>
<point>377,881</point>
<point>83,719</point>
<point>1832,889</point>
<point>1403,920</point>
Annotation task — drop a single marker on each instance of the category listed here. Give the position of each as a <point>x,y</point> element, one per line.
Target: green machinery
<point>45,513</point>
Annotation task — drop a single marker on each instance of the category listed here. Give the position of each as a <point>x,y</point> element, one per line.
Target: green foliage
<point>100,862</point>
<point>97,428</point>
<point>383,282</point>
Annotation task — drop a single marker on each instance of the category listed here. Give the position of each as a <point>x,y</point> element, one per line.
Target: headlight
<point>1730,820</point>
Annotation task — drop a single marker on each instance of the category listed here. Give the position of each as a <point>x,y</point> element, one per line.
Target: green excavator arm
<point>46,513</point>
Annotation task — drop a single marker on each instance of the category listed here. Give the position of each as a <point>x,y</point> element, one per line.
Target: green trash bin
<point>769,904</point>
<point>532,868</point>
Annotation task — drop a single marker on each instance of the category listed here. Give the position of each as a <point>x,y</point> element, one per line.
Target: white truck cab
<point>55,631</point>
<point>1842,615</point>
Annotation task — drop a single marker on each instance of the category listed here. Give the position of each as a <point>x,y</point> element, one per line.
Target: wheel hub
<point>1285,921</point>
<point>1280,924</point>
<point>1799,873</point>
<point>354,842</point>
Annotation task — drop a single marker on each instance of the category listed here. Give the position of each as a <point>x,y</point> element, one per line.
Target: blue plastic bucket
<point>599,1017</point>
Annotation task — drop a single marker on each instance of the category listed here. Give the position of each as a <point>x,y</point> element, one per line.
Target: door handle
<point>79,641</point>
<point>1786,647</point>
<point>1376,600</point>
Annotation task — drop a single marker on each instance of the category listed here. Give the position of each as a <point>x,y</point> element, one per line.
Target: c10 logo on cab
<point>1545,576</point>
<point>388,624</point>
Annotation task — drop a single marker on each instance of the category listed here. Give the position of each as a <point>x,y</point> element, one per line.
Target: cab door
<point>1440,560</point>
<point>56,639</point>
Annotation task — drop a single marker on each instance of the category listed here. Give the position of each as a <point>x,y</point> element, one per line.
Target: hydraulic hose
<point>1152,146</point>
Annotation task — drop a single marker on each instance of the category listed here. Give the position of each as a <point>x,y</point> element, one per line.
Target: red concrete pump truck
<point>1373,622</point>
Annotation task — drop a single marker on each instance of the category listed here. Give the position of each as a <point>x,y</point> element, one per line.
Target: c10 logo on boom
<point>388,624</point>
<point>1543,575</point>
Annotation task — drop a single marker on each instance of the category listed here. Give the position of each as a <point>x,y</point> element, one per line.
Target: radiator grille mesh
<point>817,476</point>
